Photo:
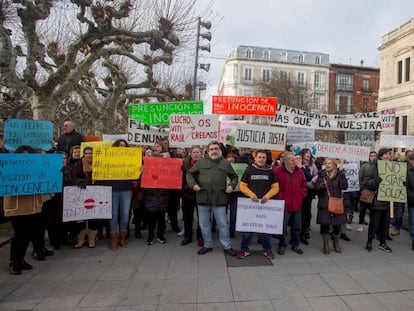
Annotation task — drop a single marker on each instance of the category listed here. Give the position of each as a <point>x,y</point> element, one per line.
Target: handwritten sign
<point>95,144</point>
<point>190,130</point>
<point>366,139</point>
<point>116,163</point>
<point>28,173</point>
<point>162,173</point>
<point>37,134</point>
<point>144,134</point>
<point>258,217</point>
<point>159,113</point>
<point>260,137</point>
<point>239,168</point>
<point>340,151</point>
<point>225,127</point>
<point>244,105</point>
<point>367,121</point>
<point>351,174</point>
<point>94,202</point>
<point>397,141</point>
<point>300,134</point>
<point>393,175</point>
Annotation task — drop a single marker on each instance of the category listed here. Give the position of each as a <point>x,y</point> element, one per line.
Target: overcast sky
<point>347,30</point>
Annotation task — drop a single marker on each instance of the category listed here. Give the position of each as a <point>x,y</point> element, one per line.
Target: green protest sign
<point>159,113</point>
<point>393,175</point>
<point>239,168</point>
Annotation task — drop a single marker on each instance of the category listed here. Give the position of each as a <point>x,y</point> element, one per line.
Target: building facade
<point>353,89</point>
<point>248,66</point>
<point>396,81</point>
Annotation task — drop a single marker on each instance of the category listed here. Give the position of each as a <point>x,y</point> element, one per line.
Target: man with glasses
<point>208,178</point>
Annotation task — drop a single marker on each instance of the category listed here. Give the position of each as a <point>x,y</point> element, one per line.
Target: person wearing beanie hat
<point>379,210</point>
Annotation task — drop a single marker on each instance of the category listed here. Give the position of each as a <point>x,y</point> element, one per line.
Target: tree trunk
<point>42,107</point>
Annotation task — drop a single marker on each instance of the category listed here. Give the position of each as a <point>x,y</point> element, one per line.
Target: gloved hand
<point>82,185</point>
<point>379,180</point>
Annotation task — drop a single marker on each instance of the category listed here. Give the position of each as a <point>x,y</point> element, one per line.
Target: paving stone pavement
<point>172,277</point>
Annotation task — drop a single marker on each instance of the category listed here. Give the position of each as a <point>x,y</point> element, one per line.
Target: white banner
<point>188,130</point>
<point>258,217</point>
<point>115,137</point>
<point>300,134</point>
<point>367,121</point>
<point>351,174</point>
<point>397,141</point>
<point>94,202</point>
<point>260,137</point>
<point>144,135</point>
<point>340,151</point>
<point>225,127</point>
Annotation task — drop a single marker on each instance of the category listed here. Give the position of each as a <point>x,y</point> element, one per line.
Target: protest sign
<point>116,163</point>
<point>351,174</point>
<point>190,130</point>
<point>366,121</point>
<point>144,134</point>
<point>95,144</point>
<point>162,173</point>
<point>397,141</point>
<point>239,168</point>
<point>244,105</point>
<point>94,202</point>
<point>300,134</point>
<point>340,151</point>
<point>115,137</point>
<point>159,113</point>
<point>260,137</point>
<point>393,175</point>
<point>258,217</point>
<point>225,127</point>
<point>34,133</point>
<point>356,138</point>
<point>30,173</point>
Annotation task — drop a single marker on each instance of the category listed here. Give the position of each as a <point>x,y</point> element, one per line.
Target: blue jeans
<point>121,202</point>
<point>398,215</point>
<point>411,222</point>
<point>204,219</point>
<point>247,238</point>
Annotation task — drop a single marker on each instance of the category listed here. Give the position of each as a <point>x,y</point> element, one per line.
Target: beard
<point>214,155</point>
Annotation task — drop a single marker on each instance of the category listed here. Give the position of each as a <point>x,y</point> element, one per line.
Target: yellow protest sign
<point>116,163</point>
<point>93,144</point>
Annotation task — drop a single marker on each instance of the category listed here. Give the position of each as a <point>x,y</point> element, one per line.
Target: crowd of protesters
<point>208,188</point>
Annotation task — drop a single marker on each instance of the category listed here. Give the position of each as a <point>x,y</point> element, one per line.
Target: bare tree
<point>95,55</point>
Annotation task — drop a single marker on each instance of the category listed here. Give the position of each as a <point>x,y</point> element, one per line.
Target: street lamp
<point>206,67</point>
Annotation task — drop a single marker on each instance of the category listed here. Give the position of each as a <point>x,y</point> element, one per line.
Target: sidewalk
<point>174,277</point>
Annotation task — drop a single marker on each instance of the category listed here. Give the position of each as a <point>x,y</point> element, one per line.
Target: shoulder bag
<point>367,196</point>
<point>335,205</point>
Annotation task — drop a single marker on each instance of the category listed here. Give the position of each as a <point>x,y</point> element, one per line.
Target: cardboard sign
<point>239,168</point>
<point>116,163</point>
<point>30,173</point>
<point>94,202</point>
<point>351,174</point>
<point>144,134</point>
<point>258,217</point>
<point>244,105</point>
<point>225,127</point>
<point>393,175</point>
<point>159,113</point>
<point>340,151</point>
<point>355,138</point>
<point>37,134</point>
<point>260,137</point>
<point>300,134</point>
<point>162,173</point>
<point>190,130</point>
<point>367,121</point>
<point>397,141</point>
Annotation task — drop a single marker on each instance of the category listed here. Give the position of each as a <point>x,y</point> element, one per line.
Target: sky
<point>348,30</point>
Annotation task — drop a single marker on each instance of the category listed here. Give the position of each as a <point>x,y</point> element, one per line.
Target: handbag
<point>335,205</point>
<point>367,196</point>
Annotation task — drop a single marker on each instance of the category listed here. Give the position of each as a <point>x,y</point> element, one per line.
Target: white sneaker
<point>181,233</point>
<point>348,227</point>
<point>360,228</point>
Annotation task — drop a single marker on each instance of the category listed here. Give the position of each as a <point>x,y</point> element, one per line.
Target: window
<point>301,58</point>
<point>249,53</point>
<point>344,82</point>
<point>404,125</point>
<point>407,69</point>
<point>248,74</point>
<point>283,75</point>
<point>365,85</point>
<point>300,100</point>
<point>317,60</point>
<point>248,92</point>
<point>399,77</point>
<point>397,126</point>
<point>301,78</point>
<point>319,101</point>
<point>266,54</point>
<point>343,103</point>
<point>365,104</point>
<point>266,75</point>
<point>284,56</point>
<point>317,80</point>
